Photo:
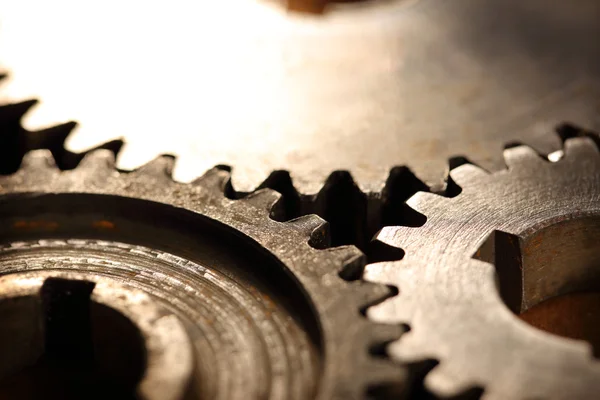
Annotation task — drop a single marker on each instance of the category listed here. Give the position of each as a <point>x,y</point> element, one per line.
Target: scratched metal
<point>363,86</point>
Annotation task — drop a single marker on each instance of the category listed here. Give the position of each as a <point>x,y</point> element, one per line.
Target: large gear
<point>508,241</point>
<point>263,303</point>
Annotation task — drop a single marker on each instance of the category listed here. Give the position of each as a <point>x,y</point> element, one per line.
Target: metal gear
<point>508,241</point>
<point>266,314</point>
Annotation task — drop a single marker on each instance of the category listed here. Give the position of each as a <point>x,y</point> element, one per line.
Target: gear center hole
<point>550,276</point>
<point>60,344</point>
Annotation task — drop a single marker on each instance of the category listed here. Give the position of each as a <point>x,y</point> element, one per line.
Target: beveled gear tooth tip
<point>98,158</point>
<point>263,198</point>
<point>217,178</point>
<point>467,174</point>
<point>38,159</point>
<point>522,156</point>
<point>581,148</point>
<point>160,166</point>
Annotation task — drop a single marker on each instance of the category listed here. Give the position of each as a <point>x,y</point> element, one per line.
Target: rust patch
<point>36,225</point>
<point>103,224</point>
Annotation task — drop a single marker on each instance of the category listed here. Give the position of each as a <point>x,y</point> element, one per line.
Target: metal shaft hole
<point>62,345</point>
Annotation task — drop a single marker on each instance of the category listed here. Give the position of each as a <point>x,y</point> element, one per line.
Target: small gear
<point>507,242</point>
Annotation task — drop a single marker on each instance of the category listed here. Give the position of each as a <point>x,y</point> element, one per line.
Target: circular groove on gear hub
<point>251,339</point>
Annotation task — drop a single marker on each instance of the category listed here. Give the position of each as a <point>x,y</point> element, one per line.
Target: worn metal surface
<point>28,329</point>
<point>508,241</point>
<point>269,315</point>
<point>364,86</point>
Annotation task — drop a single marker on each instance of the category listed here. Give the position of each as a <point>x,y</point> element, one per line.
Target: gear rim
<point>447,292</point>
<point>347,337</point>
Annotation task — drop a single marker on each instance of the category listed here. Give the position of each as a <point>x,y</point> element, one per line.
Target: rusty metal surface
<point>363,87</point>
<point>508,241</point>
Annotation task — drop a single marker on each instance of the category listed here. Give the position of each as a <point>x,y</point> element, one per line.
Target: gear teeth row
<point>17,141</point>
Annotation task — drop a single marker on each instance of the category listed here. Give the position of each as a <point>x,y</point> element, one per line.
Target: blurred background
<point>308,86</point>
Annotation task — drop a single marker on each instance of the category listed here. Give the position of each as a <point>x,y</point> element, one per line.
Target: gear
<point>508,241</point>
<point>262,304</point>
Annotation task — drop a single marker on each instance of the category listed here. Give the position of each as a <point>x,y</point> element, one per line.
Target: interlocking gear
<point>263,302</point>
<point>508,241</point>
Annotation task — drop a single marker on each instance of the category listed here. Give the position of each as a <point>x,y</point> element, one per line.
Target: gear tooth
<point>377,273</point>
<point>408,349</point>
<point>160,167</point>
<point>395,236</point>
<point>216,178</point>
<point>381,334</point>
<point>522,157</point>
<point>370,294</point>
<point>315,227</point>
<point>467,174</point>
<point>443,382</point>
<point>424,201</point>
<point>98,159</point>
<point>353,261</point>
<point>15,111</point>
<point>581,148</point>
<point>38,160</point>
<point>52,136</point>
<point>265,199</point>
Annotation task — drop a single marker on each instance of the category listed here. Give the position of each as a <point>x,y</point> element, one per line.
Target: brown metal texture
<point>523,240</point>
<point>362,86</point>
<point>271,310</point>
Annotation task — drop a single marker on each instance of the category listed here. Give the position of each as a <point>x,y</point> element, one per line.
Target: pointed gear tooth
<point>98,159</point>
<point>353,261</point>
<point>38,160</point>
<point>315,227</point>
<point>348,254</point>
<point>265,199</point>
<point>371,294</point>
<point>15,111</point>
<point>580,149</point>
<point>216,178</point>
<point>51,137</point>
<point>522,157</point>
<point>424,201</point>
<point>468,174</point>
<point>383,334</point>
<point>160,167</point>
<point>377,273</point>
